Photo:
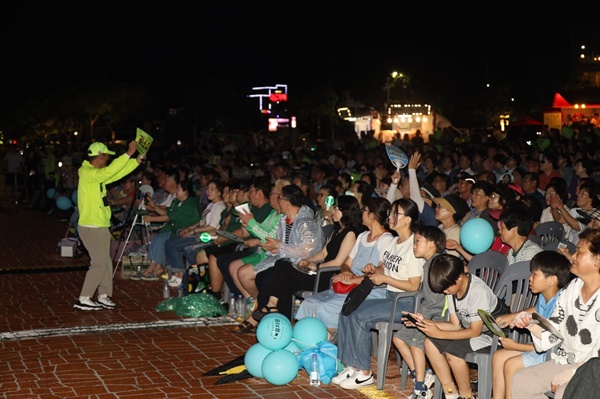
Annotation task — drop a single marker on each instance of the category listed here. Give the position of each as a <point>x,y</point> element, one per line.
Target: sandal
<point>245,328</point>
<point>148,277</point>
<point>259,314</point>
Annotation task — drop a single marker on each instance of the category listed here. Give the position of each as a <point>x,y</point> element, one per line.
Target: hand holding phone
<point>411,318</point>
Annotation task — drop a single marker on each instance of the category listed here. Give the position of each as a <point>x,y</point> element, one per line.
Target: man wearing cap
<point>450,210</point>
<point>464,186</point>
<point>94,220</point>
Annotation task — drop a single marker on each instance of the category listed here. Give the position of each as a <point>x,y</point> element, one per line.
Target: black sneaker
<point>87,304</point>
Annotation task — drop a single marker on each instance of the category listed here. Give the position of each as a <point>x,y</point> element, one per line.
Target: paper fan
<point>491,323</point>
<point>398,157</point>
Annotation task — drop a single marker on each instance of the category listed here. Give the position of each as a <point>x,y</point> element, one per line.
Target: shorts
<point>411,336</point>
<point>532,358</point>
<point>254,258</point>
<point>461,347</point>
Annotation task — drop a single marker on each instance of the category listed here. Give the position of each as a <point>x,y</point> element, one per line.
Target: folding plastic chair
<point>382,332</point>
<point>550,232</point>
<point>488,266</point>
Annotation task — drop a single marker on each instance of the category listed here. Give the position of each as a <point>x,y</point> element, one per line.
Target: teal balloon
<point>50,193</point>
<point>274,332</point>
<point>280,367</point>
<point>292,347</point>
<point>476,235</point>
<point>309,331</point>
<point>253,359</point>
<point>74,197</point>
<point>64,203</point>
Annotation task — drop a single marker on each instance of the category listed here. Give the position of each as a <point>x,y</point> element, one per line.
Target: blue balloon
<point>50,193</point>
<point>64,203</point>
<point>280,367</point>
<point>292,347</point>
<point>309,331</point>
<point>476,235</point>
<point>74,197</point>
<point>253,359</point>
<point>274,332</point>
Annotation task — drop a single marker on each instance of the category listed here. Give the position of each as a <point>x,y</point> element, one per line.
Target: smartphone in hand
<point>412,318</point>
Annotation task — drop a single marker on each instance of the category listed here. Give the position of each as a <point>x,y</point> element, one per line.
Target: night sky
<point>449,51</point>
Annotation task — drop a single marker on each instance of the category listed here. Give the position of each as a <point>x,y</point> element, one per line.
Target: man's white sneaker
<point>345,373</point>
<point>106,302</point>
<point>358,380</point>
<point>85,303</point>
<point>426,394</point>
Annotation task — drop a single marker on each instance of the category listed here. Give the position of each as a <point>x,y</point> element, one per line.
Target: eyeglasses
<point>394,215</point>
<point>494,196</point>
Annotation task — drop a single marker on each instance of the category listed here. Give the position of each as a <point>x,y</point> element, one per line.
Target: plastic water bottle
<point>232,304</point>
<point>166,292</point>
<point>240,309</point>
<point>315,374</point>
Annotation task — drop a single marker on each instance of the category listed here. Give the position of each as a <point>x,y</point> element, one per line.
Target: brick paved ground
<point>37,291</point>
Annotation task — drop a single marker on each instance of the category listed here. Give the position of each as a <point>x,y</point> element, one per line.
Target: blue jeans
<point>156,249</point>
<point>354,331</point>
<point>174,248</point>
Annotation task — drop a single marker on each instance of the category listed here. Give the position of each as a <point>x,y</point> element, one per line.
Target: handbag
<point>357,296</point>
<point>343,288</point>
<point>339,287</point>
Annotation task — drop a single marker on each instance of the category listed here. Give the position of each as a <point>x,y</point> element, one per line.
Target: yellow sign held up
<point>143,140</point>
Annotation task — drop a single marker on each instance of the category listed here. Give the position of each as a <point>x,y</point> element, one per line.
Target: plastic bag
<point>197,305</point>
<point>327,355</point>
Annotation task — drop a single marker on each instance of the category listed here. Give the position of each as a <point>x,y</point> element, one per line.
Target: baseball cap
<point>430,191</point>
<point>96,148</point>
<point>454,204</point>
<point>590,214</point>
<point>466,177</point>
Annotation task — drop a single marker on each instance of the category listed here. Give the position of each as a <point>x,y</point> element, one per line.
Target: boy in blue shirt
<point>550,272</point>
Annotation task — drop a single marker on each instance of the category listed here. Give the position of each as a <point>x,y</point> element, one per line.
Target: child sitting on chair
<point>448,342</point>
<point>550,272</point>
<point>429,242</point>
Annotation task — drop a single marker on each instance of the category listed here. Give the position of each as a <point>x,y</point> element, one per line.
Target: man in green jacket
<point>94,220</point>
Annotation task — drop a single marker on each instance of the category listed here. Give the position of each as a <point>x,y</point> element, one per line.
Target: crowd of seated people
<point>512,185</point>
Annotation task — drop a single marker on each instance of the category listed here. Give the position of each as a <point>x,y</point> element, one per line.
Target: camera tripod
<point>140,211</point>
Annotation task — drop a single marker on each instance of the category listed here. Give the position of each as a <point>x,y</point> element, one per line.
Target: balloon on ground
<point>309,331</point>
<point>274,332</point>
<point>280,367</point>
<point>254,358</point>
